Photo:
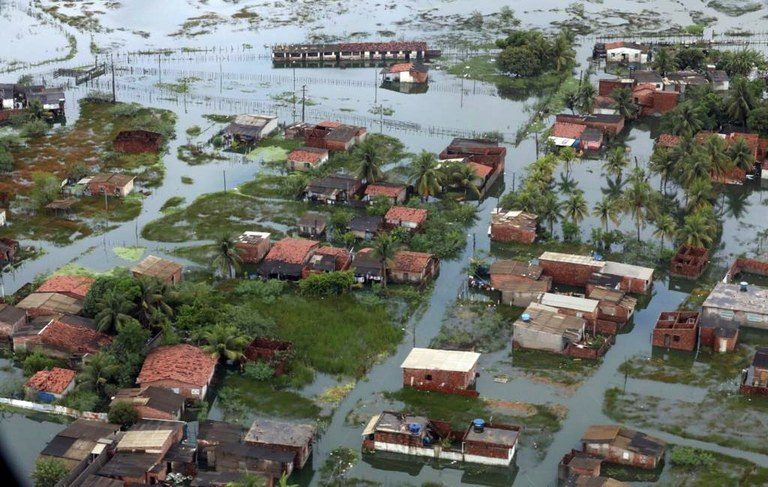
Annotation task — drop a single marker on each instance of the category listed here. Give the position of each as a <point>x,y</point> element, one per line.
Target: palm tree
<point>369,168</point>
<point>686,120</point>
<point>741,155</point>
<point>699,194</point>
<point>549,210</point>
<point>587,94</point>
<point>152,299</point>
<point>571,100</point>
<point>114,310</point>
<point>227,258</point>
<point>623,102</point>
<point>384,250</point>
<point>719,162</point>
<point>636,199</point>
<point>575,207</point>
<point>463,176</point>
<point>741,100</point>
<point>616,162</point>
<point>98,370</point>
<point>693,165</point>
<point>224,342</point>
<point>562,52</point>
<point>425,175</point>
<point>665,227</point>
<point>567,155</point>
<point>606,209</point>
<point>698,230</point>
<point>664,61</point>
<point>662,164</point>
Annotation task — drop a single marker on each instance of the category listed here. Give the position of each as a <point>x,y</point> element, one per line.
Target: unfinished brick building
<point>677,330</point>
<point>448,371</point>
<point>689,262</point>
<point>512,226</point>
<point>571,270</point>
<point>273,352</point>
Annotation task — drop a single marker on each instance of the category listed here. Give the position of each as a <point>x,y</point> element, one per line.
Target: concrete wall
<point>537,340</point>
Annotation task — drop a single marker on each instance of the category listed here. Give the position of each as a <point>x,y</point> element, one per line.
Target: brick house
<point>66,340</point>
<point>623,446</point>
<point>689,262</point>
<point>306,158</point>
<point>647,77</point>
<point>152,402</point>
<point>614,308</point>
<point>247,129</point>
<point>633,278</point>
<point>608,124</point>
<point>333,189</point>
<point>73,286</point>
<point>286,437</point>
<point>183,368</point>
<point>49,385</point>
<point>365,227</point>
<point>328,259</point>
<point>334,136</point>
<point>137,141</point>
<point>273,352</point>
<point>111,184</point>
<point>11,319</point>
<point>252,247</point>
<point>412,219</point>
<point>606,87</point>
<point>519,283</point>
<point>572,306</point>
<point>288,258</point>
<point>512,226</point>
<point>481,151</point>
<point>652,101</point>
<point>568,269</point>
<point>165,270</point>
<point>396,194</point>
<point>677,330</point>
<point>755,378</point>
<point>413,267</point>
<point>405,73</point>
<point>448,371</point>
<point>312,224</point>
<point>366,266</point>
<point>564,134</point>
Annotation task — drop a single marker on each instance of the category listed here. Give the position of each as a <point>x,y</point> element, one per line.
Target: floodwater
<point>234,75</point>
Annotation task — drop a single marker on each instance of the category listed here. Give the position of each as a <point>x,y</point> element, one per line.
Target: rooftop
<point>291,250</point>
<point>567,130</point>
<point>157,267</point>
<point>77,286</point>
<point>365,223</point>
<point>253,237</point>
<point>730,297</point>
<point>151,440</point>
<point>646,76</point>
<point>313,219</point>
<point>447,360</point>
<point>181,363</point>
<point>391,422</point>
<point>54,381</point>
<point>116,179</point>
<point>11,314</point>
<point>152,397</point>
<point>548,320</point>
<point>131,465</point>
<point>54,302</point>
<point>269,432</point>
<point>760,360</point>
<point>408,261</point>
<point>311,155</point>
<point>73,338</point>
<point>625,438</point>
<point>493,436</point>
<point>516,268</point>
<point>515,218</point>
<point>628,270</point>
<point>336,181</point>
<point>406,214</point>
<point>570,302</point>
<point>390,190</point>
<point>481,170</point>
<point>571,259</point>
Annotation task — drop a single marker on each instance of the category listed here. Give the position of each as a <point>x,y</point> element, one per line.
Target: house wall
<point>189,391</point>
<point>567,273</point>
<point>675,338</point>
<point>739,318</point>
<point>440,378</point>
<point>613,454</point>
<point>253,253</point>
<point>635,286</point>
<point>229,462</point>
<point>507,233</point>
<point>7,329</point>
<point>725,344</point>
<point>612,312</point>
<point>519,299</point>
<point>537,340</point>
<point>146,412</point>
<point>589,317</point>
<point>436,451</point>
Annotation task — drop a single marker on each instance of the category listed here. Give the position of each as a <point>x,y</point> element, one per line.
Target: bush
<point>689,457</point>
<point>6,160</point>
<point>123,413</point>
<point>46,188</point>
<point>48,472</point>
<point>260,371</point>
<point>327,284</point>
<point>36,362</point>
<point>260,289</point>
<point>82,400</point>
<point>34,129</point>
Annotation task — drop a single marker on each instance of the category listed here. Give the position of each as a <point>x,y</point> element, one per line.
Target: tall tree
<point>624,103</point>
<point>575,207</point>
<point>715,149</point>
<point>152,299</point>
<point>369,167</point>
<point>425,175</point>
<point>606,209</point>
<point>637,199</point>
<point>567,155</point>
<point>227,257</point>
<point>464,177</point>
<point>224,342</point>
<point>741,155</point>
<point>742,99</point>
<point>97,373</point>
<point>587,94</point>
<point>384,249</point>
<point>664,61</point>
<point>686,120</point>
<point>663,164</point>
<point>698,230</point>
<point>562,52</point>
<point>665,227</point>
<point>699,194</point>
<point>616,162</point>
<point>549,210</point>
<point>114,310</point>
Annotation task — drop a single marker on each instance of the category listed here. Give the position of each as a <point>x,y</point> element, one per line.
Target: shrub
<point>46,188</point>
<point>260,371</point>
<point>123,413</point>
<point>690,458</point>
<point>49,472</point>
<point>327,284</point>
<point>260,289</point>
<point>36,362</point>
<point>34,129</point>
<point>6,160</point>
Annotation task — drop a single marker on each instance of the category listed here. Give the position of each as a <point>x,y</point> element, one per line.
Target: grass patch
<point>238,391</point>
<point>724,470</point>
<point>734,8</point>
<point>216,118</point>
<point>552,368</point>
<point>473,326</point>
<point>129,253</point>
<point>195,156</point>
<point>187,180</point>
<point>268,154</point>
<point>172,202</point>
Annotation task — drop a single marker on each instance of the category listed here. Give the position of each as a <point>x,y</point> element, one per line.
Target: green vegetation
<point>241,395</point>
<point>552,368</point>
<point>124,414</point>
<point>530,53</point>
<point>734,8</point>
<point>48,472</point>
<point>474,326</point>
<point>694,467</point>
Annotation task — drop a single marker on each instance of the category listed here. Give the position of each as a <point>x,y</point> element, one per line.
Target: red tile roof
<point>76,286</point>
<point>343,256</point>
<point>388,190</point>
<point>307,154</point>
<point>481,170</point>
<point>73,338</point>
<point>329,124</point>
<point>400,68</point>
<point>668,140</point>
<point>407,261</point>
<point>54,381</point>
<point>181,363</point>
<point>567,130</point>
<point>291,250</point>
<point>405,214</point>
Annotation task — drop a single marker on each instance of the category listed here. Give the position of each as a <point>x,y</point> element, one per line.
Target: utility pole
<point>462,92</point>
<point>112,62</point>
<point>225,179</point>
<point>375,86</point>
<point>303,101</point>
<point>381,119</point>
<point>293,65</point>
<point>159,75</point>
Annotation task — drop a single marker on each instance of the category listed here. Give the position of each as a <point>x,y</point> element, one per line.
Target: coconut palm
<point>664,61</point>
<point>686,120</point>
<point>227,258</point>
<point>741,155</point>
<point>384,250</point>
<point>425,175</point>
<point>741,100</point>
<point>698,194</point>
<point>549,210</point>
<point>464,177</point>
<point>623,102</point>
<point>616,162</point>
<point>369,167</point>
<point>224,342</point>
<point>571,100</point>
<point>694,165</point>
<point>662,164</point>
<point>97,371</point>
<point>698,230</point>
<point>575,207</point>
<point>715,149</point>
<point>637,199</point>
<point>152,299</point>
<point>114,310</point>
<point>587,94</point>
<point>666,226</point>
<point>562,52</point>
<point>606,209</point>
<point>567,155</point>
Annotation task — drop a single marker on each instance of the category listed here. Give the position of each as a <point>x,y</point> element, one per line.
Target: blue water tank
<point>414,428</point>
<point>478,423</point>
<point>597,256</point>
<point>526,317</point>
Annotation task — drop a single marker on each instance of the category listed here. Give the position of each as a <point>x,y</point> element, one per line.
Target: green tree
<point>369,166</point>
<point>587,94</point>
<point>114,310</point>
<point>624,103</point>
<point>327,283</point>
<point>562,52</point>
<point>571,99</point>
<point>152,300</point>
<point>45,188</point>
<point>664,61</point>
<point>686,120</point>
<point>742,99</point>
<point>224,342</point>
<point>49,472</point>
<point>757,121</point>
<point>616,162</point>
<point>98,372</point>
<point>6,160</point>
<point>715,149</point>
<point>567,155</point>
<point>425,175</point>
<point>35,362</point>
<point>123,413</point>
<point>741,155</point>
<point>521,62</point>
<point>227,258</point>
<point>549,210</point>
<point>666,226</point>
<point>575,207</point>
<point>698,230</point>
<point>664,165</point>
<point>698,194</point>
<point>606,210</point>
<point>464,177</point>
<point>636,200</point>
<point>689,58</point>
<point>384,250</point>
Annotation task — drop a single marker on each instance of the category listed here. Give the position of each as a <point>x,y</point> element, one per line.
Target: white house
<point>626,52</point>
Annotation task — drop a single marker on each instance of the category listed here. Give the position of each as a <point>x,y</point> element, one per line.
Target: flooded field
<point>200,58</point>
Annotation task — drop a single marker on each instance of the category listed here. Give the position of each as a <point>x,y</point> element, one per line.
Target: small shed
<point>634,278</point>
<point>678,330</point>
<point>287,259</point>
<point>543,328</point>
<point>47,304</point>
<point>448,371</point>
<point>365,227</point>
<point>49,385</point>
<point>412,219</point>
<point>247,129</point>
<point>623,446</point>
<point>167,271</point>
<point>366,266</point>
<point>111,184</point>
<point>405,73</point>
<point>410,267</point>
<point>306,158</point>
<point>394,193</point>
<point>689,262</point>
<point>252,247</point>
<point>328,259</point>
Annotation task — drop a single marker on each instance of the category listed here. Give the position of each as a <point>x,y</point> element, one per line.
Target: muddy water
<point>234,79</point>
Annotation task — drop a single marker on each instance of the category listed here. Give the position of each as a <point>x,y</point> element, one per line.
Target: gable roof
<point>76,286</point>
<point>406,214</point>
<point>54,302</point>
<point>54,381</point>
<point>447,360</point>
<point>310,155</point>
<point>408,261</point>
<point>156,398</point>
<point>291,250</point>
<point>157,267</point>
<point>390,190</point>
<point>567,130</point>
<point>182,363</point>
<point>73,338</point>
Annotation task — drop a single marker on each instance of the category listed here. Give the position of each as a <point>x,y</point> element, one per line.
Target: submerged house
<point>736,305</point>
<point>111,184</point>
<point>367,267</point>
<point>292,438</point>
<point>152,402</point>
<point>626,52</point>
<point>755,378</point>
<point>306,158</point>
<point>334,136</point>
<point>365,227</point>
<point>678,330</point>
<point>410,267</point>
<point>520,284</point>
<point>412,219</point>
<point>448,371</point>
<point>512,226</point>
<point>541,327</point>
<point>395,194</point>
<point>328,259</point>
<point>81,442</point>
<point>50,385</point>
<point>183,368</point>
<point>67,341</point>
<point>248,129</point>
<point>481,151</point>
<point>334,189</point>
<point>252,247</point>
<point>287,258</point>
<point>573,306</point>
<point>614,308</point>
<point>415,73</point>
<point>689,262</point>
<point>312,224</point>
<point>569,269</point>
<point>482,443</point>
<point>623,446</point>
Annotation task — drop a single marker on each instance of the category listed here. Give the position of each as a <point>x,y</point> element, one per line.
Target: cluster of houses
<point>352,51</point>
<point>14,98</point>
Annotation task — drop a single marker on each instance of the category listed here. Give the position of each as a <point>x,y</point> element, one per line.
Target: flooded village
<point>419,244</point>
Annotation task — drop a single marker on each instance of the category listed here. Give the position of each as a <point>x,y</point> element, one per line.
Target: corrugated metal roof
<point>628,270</point>
<point>571,259</point>
<point>569,302</point>
<point>144,440</point>
<point>449,360</point>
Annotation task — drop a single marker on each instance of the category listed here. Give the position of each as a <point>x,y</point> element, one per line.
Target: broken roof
<point>516,268</point>
<point>514,218</point>
<point>625,438</point>
<point>54,302</point>
<point>253,237</point>
<point>181,363</point>
<point>73,338</point>
<point>157,267</point>
<point>156,398</point>
<point>54,381</point>
<point>546,319</point>
<point>447,360</point>
<point>267,432</point>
